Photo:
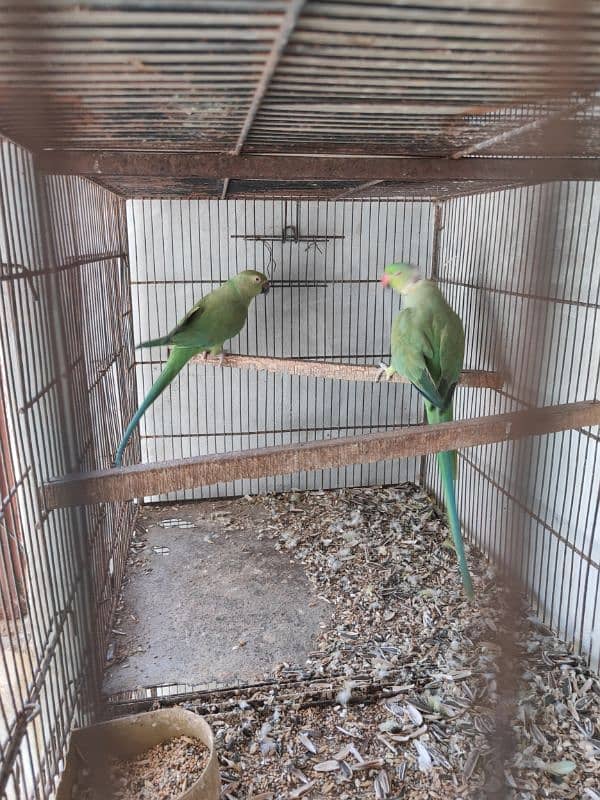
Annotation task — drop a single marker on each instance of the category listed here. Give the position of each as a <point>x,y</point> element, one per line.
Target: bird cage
<point>151,151</point>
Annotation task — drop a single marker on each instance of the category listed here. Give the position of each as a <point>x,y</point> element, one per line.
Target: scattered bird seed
<point>415,715</point>
<point>327,766</point>
<point>381,785</point>
<point>300,790</point>
<point>419,658</point>
<point>310,746</point>
<point>471,763</point>
<point>424,759</point>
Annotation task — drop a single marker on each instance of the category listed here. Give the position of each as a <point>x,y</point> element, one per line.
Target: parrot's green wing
<point>451,350</point>
<point>185,334</point>
<point>413,354</point>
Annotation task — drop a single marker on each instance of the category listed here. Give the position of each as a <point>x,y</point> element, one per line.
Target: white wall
<point>328,304</point>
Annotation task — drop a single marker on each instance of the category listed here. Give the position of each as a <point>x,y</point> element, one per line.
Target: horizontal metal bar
<point>16,271</point>
<point>276,431</point>
<point>141,480</point>
<point>88,258</point>
<point>28,274</point>
<point>66,373</point>
<point>544,298</point>
<point>284,239</point>
<point>357,189</point>
<point>530,513</point>
<point>216,693</point>
<point>314,357</point>
<point>6,501</point>
<point>360,168</point>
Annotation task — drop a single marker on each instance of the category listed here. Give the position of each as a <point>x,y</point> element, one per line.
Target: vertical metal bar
<point>286,28</point>
<point>438,226</point>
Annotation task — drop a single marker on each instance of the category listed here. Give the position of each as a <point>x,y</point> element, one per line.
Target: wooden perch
<point>342,372</point>
<point>142,480</point>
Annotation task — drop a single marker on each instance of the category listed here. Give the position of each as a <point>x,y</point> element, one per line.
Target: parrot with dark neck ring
<point>213,320</point>
<point>428,344</point>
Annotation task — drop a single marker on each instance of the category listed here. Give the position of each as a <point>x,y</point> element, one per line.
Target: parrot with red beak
<point>428,345</point>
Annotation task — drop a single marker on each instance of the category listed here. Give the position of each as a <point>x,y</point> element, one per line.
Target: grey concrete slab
<point>211,602</point>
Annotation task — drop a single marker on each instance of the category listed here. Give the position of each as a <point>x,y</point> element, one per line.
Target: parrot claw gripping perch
<point>221,355</point>
<point>385,370</point>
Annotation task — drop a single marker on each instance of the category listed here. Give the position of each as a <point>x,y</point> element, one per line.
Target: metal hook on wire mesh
<point>271,266</point>
<point>314,244</point>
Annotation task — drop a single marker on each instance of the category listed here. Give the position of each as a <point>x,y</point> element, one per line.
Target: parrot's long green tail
<point>178,358</point>
<point>447,465</point>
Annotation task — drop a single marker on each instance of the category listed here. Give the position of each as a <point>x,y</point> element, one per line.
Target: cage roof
<point>338,79</point>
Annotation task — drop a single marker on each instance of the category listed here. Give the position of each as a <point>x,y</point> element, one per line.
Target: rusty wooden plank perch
<point>142,480</point>
<point>480,379</point>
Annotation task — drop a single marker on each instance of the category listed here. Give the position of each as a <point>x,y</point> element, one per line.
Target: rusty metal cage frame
<point>492,98</point>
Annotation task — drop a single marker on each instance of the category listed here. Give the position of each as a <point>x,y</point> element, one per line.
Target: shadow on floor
<point>216,602</point>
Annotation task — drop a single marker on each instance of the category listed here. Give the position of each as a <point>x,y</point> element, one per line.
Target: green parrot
<point>428,345</point>
<point>207,325</point>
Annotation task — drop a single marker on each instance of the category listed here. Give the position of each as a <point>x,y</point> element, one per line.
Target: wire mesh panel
<point>89,243</point>
<point>64,354</point>
<point>354,77</point>
<point>326,304</point>
<point>521,268</point>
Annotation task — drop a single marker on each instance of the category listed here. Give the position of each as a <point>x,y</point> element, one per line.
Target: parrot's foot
<point>204,355</point>
<point>222,355</point>
<point>386,370</point>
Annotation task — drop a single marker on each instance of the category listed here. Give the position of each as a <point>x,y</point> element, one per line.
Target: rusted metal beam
<point>288,24</point>
<point>345,372</point>
<point>141,480</point>
<point>284,167</point>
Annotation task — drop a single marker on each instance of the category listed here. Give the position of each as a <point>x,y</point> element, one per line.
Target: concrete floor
<point>209,603</point>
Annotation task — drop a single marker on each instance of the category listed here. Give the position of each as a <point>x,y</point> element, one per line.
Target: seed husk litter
<point>399,695</point>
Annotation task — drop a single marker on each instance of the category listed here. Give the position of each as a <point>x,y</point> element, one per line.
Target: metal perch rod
<point>479,379</point>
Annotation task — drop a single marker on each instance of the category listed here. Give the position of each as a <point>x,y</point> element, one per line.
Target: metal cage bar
<point>65,376</point>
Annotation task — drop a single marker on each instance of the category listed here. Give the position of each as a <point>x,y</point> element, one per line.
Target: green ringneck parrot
<point>213,320</point>
<point>428,344</point>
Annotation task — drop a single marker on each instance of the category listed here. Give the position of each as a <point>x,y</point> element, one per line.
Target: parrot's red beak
<point>385,279</point>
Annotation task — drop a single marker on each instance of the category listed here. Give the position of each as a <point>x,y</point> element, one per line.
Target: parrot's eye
<point>257,279</point>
